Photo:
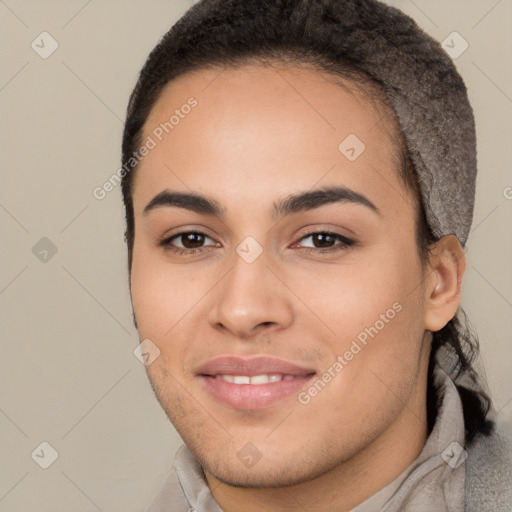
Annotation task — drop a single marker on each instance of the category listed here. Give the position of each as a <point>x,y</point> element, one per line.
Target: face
<point>290,330</point>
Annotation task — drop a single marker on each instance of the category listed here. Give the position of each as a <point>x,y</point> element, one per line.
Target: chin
<point>290,468</point>
<point>263,477</point>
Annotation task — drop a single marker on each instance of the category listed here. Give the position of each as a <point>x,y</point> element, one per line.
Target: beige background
<point>68,373</point>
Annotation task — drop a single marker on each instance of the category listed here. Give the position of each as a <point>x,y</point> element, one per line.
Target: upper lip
<point>250,366</point>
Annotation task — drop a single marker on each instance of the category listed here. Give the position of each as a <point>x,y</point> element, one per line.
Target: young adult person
<point>299,187</point>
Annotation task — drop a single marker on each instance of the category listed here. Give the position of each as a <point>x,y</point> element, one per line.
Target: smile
<point>256,379</point>
<point>250,383</point>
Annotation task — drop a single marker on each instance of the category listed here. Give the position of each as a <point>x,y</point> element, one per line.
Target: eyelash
<point>345,243</point>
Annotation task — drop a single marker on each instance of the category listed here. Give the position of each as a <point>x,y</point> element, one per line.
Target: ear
<point>444,282</point>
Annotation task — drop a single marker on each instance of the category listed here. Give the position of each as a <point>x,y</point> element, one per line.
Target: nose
<point>251,300</point>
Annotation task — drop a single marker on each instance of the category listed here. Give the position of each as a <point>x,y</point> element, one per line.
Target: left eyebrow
<point>292,204</point>
<point>319,197</point>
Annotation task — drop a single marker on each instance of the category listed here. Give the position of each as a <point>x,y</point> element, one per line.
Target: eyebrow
<point>296,203</point>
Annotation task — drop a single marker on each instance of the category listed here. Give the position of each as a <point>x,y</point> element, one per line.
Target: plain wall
<point>68,373</point>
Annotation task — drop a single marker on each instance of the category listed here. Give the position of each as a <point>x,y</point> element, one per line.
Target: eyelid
<point>178,235</point>
<point>311,231</point>
<point>344,243</point>
<point>327,231</point>
<point>182,230</point>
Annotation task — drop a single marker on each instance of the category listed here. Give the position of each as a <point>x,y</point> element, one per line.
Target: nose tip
<point>246,327</point>
<point>250,302</point>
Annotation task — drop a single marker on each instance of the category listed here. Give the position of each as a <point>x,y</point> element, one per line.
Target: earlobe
<point>447,264</point>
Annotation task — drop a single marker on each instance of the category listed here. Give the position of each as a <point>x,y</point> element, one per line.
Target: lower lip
<point>253,396</point>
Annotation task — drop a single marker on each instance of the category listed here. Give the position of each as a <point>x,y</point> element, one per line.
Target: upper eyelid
<point>300,238</point>
<point>343,239</point>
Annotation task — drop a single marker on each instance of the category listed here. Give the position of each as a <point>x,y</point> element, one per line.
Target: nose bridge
<point>250,294</point>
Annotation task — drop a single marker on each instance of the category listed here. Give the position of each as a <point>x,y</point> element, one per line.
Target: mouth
<point>252,383</point>
<point>255,379</point>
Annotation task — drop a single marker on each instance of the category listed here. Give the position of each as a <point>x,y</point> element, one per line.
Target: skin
<point>258,135</point>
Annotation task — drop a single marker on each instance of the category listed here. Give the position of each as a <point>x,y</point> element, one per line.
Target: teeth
<point>241,379</point>
<point>256,379</point>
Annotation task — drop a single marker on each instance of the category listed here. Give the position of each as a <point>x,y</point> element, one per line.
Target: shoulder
<point>488,480</point>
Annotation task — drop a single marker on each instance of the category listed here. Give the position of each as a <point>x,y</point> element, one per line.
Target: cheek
<point>162,299</point>
<point>380,291</point>
<point>371,323</point>
<point>161,293</point>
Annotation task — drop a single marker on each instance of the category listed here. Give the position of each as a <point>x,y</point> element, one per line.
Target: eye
<point>191,242</point>
<point>325,239</point>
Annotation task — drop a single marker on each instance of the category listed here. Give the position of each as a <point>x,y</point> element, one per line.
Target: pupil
<point>189,238</point>
<point>323,237</point>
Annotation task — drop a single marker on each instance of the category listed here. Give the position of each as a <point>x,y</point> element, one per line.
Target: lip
<point>252,396</point>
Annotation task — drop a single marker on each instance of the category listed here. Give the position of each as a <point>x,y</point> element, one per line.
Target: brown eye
<point>186,242</point>
<point>191,240</point>
<point>324,241</point>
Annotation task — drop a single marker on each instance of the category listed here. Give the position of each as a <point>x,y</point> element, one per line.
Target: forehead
<point>257,126</point>
<point>273,92</point>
